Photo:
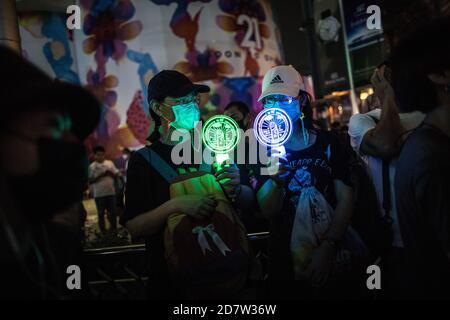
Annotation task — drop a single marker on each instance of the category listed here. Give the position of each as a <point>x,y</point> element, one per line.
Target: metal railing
<point>122,272</point>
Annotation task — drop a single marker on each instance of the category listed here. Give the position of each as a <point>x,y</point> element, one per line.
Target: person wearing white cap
<point>314,159</point>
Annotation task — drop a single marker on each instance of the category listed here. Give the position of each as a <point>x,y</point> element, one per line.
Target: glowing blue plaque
<point>273,128</point>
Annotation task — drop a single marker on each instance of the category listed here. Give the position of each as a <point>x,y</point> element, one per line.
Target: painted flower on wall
<point>182,24</point>
<point>108,27</point>
<point>146,70</point>
<point>137,120</point>
<point>202,66</point>
<point>246,19</point>
<point>57,48</point>
<point>101,86</point>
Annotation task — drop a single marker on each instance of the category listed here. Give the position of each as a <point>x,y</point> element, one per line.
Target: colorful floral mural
<point>56,48</point>
<point>146,70</point>
<point>182,24</point>
<point>102,86</point>
<point>233,21</point>
<point>203,66</point>
<point>245,89</point>
<point>137,120</point>
<point>108,28</point>
<point>124,43</point>
<point>198,66</point>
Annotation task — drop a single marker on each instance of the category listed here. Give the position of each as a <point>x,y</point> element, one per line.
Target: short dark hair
<point>155,135</point>
<point>242,107</point>
<point>423,52</point>
<point>99,149</point>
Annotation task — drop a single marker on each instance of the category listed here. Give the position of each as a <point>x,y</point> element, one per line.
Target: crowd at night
<point>138,164</point>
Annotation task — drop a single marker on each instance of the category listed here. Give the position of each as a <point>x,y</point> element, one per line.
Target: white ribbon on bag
<point>203,242</point>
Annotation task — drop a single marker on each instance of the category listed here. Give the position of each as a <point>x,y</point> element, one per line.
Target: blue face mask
<point>292,107</point>
<point>186,115</point>
<point>293,110</point>
<point>288,104</point>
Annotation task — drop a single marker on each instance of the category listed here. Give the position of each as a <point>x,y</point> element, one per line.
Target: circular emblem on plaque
<point>221,134</point>
<point>273,127</point>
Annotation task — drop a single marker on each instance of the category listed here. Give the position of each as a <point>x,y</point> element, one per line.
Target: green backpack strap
<point>161,166</point>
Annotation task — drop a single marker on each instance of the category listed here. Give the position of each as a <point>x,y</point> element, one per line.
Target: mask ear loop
<point>162,116</point>
<point>304,130</point>
<point>197,133</point>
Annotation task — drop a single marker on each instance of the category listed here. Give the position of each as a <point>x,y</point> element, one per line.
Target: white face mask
<point>186,116</point>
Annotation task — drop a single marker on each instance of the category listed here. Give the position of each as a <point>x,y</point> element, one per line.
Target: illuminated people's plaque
<point>273,127</point>
<point>221,134</point>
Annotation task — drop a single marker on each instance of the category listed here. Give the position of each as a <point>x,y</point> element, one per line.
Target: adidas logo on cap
<point>284,80</point>
<point>277,79</point>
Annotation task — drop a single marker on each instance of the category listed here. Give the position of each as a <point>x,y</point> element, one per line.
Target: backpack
<point>206,258</point>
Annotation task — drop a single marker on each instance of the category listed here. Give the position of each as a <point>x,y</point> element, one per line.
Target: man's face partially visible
<point>237,116</point>
<point>166,106</point>
<point>288,104</point>
<point>100,156</point>
<point>20,154</point>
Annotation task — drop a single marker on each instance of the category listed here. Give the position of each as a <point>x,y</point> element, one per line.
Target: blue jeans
<point>106,204</point>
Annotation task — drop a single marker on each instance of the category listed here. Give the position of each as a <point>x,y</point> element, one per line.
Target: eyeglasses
<point>280,99</point>
<point>182,100</point>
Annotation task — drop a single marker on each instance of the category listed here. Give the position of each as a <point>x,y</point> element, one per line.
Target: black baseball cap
<point>171,83</point>
<point>25,87</point>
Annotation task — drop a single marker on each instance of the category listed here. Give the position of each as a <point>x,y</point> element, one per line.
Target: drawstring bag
<point>312,220</point>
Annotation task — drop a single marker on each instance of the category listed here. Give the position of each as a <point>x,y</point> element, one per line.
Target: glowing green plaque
<point>221,134</point>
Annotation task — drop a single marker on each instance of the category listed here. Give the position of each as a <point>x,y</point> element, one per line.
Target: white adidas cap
<point>282,80</point>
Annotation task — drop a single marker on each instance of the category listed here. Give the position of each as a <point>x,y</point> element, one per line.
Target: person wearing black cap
<point>43,173</point>
<point>173,101</point>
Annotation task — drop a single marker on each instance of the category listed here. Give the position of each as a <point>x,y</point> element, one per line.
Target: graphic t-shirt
<point>318,165</point>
